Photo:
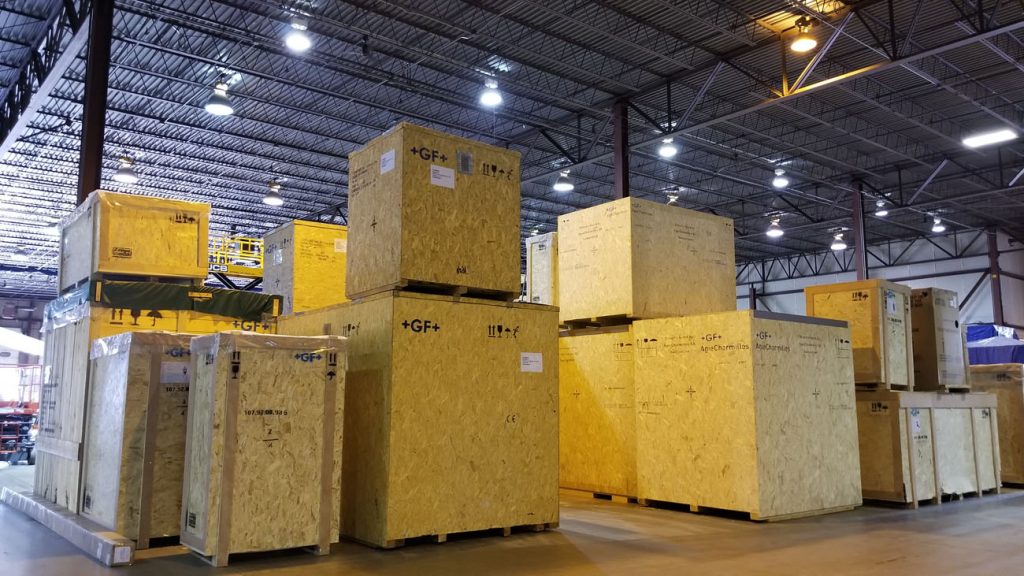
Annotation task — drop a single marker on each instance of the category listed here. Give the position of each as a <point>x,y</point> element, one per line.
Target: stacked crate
<point>452,389</point>
<point>939,342</point>
<point>304,263</point>
<point>1006,383</point>
<point>541,279</point>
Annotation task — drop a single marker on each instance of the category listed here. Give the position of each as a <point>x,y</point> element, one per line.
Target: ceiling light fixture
<point>774,230</point>
<point>804,41</point>
<point>273,197</point>
<point>563,184</point>
<point>125,174</point>
<point>296,39</point>
<point>667,149</point>
<point>534,232</point>
<point>780,180</point>
<point>880,209</point>
<point>672,197</point>
<point>937,225</point>
<point>986,138</point>
<point>491,97</point>
<point>838,243</point>
<point>219,104</point>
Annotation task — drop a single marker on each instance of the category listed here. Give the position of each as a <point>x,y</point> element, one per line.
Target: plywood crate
<point>112,233</point>
<point>747,411</point>
<point>134,450</point>
<point>430,208</point>
<point>263,451</point>
<point>304,263</point>
<point>597,415</point>
<point>940,345</point>
<point>1006,382</point>
<point>452,414</point>
<point>104,309</point>
<point>542,269</point>
<point>633,258</point>
<point>880,320</point>
<point>917,446</point>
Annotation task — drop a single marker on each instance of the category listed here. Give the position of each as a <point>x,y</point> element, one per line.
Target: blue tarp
<point>996,350</point>
<point>982,331</point>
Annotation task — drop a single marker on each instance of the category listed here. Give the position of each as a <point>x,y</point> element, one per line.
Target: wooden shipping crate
<point>879,315</point>
<point>1006,383</point>
<point>305,264</point>
<point>634,258</point>
<point>427,207</point>
<point>542,269</point>
<point>747,411</point>
<point>955,445</point>
<point>134,449</point>
<point>597,415</point>
<point>452,414</point>
<point>112,233</point>
<point>940,345</point>
<point>263,451</point>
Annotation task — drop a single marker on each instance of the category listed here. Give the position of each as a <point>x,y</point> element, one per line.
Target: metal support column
<point>94,114</point>
<point>995,276</point>
<point>752,296</point>
<point>860,252</point>
<point>620,154</point>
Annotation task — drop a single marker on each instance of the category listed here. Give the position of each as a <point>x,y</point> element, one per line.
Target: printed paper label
<point>174,372</point>
<point>915,423</point>
<point>122,554</point>
<point>387,161</point>
<point>890,303</point>
<point>531,362</point>
<point>441,176</point>
<point>340,245</point>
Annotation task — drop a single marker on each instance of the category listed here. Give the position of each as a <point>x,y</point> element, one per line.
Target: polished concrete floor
<point>974,536</point>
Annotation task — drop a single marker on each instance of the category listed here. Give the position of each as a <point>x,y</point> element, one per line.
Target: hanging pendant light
<point>490,96</point>
<point>880,209</point>
<point>838,243</point>
<point>804,41</point>
<point>667,149</point>
<point>563,184</point>
<point>296,39</point>
<point>219,104</point>
<point>937,225</point>
<point>273,196</point>
<point>780,180</point>
<point>125,174</point>
<point>774,230</point>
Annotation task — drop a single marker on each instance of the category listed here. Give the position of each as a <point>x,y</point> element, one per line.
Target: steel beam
<point>860,253</point>
<point>994,274</point>
<point>94,114</point>
<point>928,181</point>
<point>620,155</point>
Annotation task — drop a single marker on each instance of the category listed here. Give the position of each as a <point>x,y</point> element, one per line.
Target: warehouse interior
<point>689,176</point>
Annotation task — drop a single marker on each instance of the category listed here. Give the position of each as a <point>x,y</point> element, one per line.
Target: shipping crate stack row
<point>452,394</point>
<point>668,394</point>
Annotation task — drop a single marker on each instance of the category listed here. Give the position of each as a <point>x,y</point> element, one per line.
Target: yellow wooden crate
<point>305,265</point>
<point>112,233</point>
<point>542,269</point>
<point>428,207</point>
<point>639,259</point>
<point>879,316</point>
<point>452,419</point>
<point>747,411</point>
<point>262,459</point>
<point>1006,382</point>
<point>940,343</point>
<point>597,412</point>
<point>955,443</point>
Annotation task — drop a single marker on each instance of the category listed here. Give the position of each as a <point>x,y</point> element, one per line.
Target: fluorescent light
<point>937,225</point>
<point>880,209</point>
<point>774,230</point>
<point>780,180</point>
<point>273,197</point>
<point>219,104</point>
<point>986,138</point>
<point>838,243</point>
<point>296,39</point>
<point>667,148</point>
<point>125,174</point>
<point>491,97</point>
<point>563,184</point>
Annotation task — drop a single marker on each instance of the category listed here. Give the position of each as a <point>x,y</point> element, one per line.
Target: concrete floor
<point>974,536</point>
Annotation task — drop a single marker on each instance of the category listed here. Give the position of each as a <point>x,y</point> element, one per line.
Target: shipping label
<point>441,176</point>
<point>387,161</point>
<point>531,362</point>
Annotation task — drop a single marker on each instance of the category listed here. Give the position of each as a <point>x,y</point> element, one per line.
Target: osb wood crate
<point>452,414</point>
<point>1006,382</point>
<point>304,263</point>
<point>879,316</point>
<point>542,269</point>
<point>747,411</point>
<point>134,450</point>
<point>612,262</point>
<point>917,446</point>
<point>263,451</point>
<point>597,415</point>
<point>431,208</point>
<point>940,345</point>
<point>114,233</point>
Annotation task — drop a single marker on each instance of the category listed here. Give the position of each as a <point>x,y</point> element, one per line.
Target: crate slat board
<point>263,454</point>
<point>452,414</point>
<point>134,449</point>
<point>597,415</point>
<point>428,207</point>
<point>611,262</point>
<point>955,444</point>
<point>747,411</point>
<point>879,316</point>
<point>542,269</point>
<point>116,233</point>
<point>940,344</point>
<point>1006,382</point>
<point>304,263</point>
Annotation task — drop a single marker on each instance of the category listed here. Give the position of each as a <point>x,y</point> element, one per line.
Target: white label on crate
<point>387,161</point>
<point>174,372</point>
<point>277,257</point>
<point>915,422</point>
<point>122,554</point>
<point>441,176</point>
<point>531,362</point>
<point>340,245</point>
<point>890,303</point>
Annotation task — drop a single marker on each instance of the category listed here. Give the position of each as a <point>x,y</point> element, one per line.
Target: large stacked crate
<point>542,269</point>
<point>262,458</point>
<point>304,263</point>
<point>747,411</point>
<point>1006,383</point>
<point>940,344</point>
<point>452,400</point>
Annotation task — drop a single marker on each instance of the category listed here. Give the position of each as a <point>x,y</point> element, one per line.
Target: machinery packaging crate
<point>940,345</point>
<point>1006,383</point>
<point>542,269</point>
<point>263,451</point>
<point>305,265</point>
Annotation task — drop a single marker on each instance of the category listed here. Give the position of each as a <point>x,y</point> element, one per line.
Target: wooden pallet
<point>442,289</point>
<point>505,532</point>
<point>944,499</point>
<point>221,561</point>
<point>101,277</point>
<point>737,514</point>
<point>599,322</point>
<point>617,498</point>
<point>871,386</point>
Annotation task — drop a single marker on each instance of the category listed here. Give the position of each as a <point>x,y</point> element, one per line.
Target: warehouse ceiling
<point>881,105</point>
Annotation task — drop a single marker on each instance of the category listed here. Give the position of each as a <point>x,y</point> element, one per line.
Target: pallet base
<point>442,538</point>
<point>882,500</point>
<point>697,509</point>
<point>875,386</point>
<point>599,322</point>
<point>442,289</point>
<point>221,561</point>
<point>617,498</point>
